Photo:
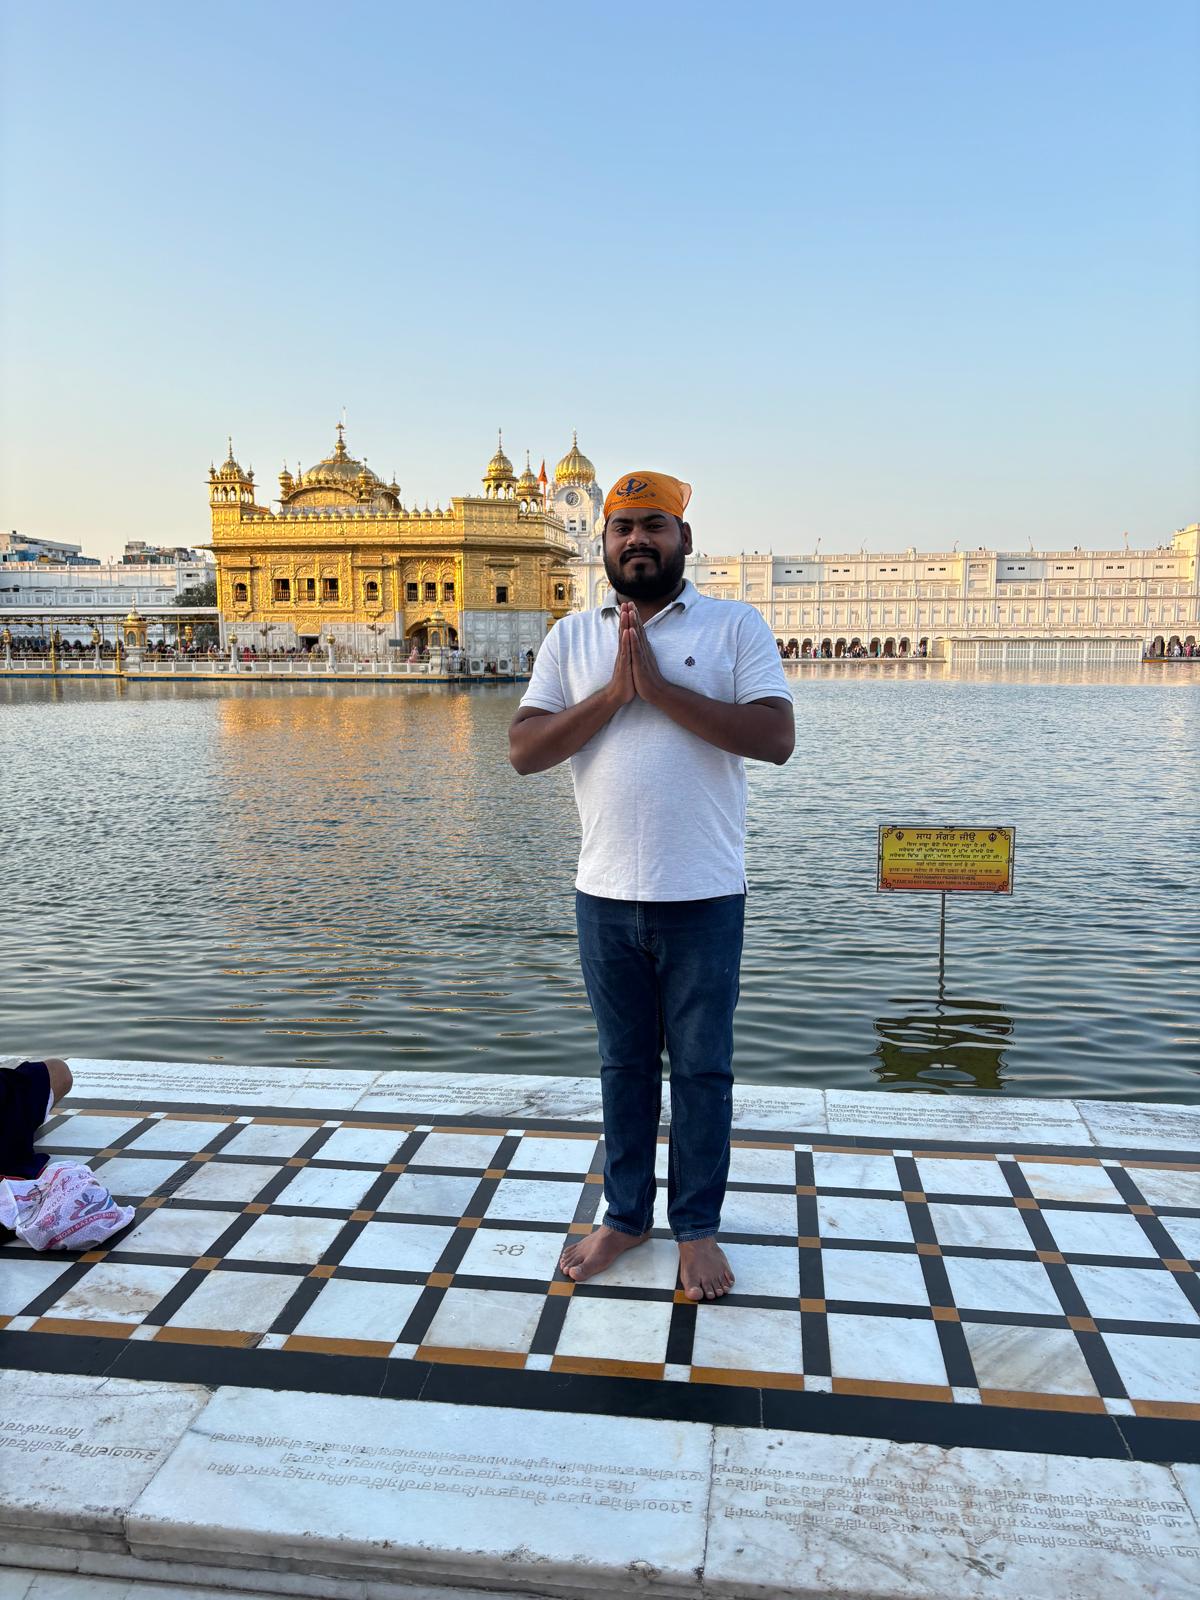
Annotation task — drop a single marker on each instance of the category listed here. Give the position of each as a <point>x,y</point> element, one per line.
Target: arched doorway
<point>1159,646</point>
<point>839,649</point>
<point>874,647</point>
<point>827,649</point>
<point>856,648</point>
<point>889,647</point>
<point>418,634</point>
<point>806,649</point>
<point>905,647</point>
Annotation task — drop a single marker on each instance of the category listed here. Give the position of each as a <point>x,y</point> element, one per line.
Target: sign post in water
<point>945,861</point>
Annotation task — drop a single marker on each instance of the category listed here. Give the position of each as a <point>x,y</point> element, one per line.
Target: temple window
<point>283,588</point>
<point>240,594</point>
<point>501,594</point>
<point>329,589</point>
<point>560,591</point>
<point>431,591</point>
<point>310,588</point>
<point>372,590</point>
<point>448,590</point>
<point>410,592</point>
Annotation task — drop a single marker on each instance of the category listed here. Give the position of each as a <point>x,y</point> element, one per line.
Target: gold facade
<point>343,560</point>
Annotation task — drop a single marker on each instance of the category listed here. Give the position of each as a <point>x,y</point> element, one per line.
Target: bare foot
<point>705,1271</point>
<point>597,1251</point>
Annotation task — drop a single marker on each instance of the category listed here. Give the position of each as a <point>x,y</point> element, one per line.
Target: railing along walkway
<point>301,667</point>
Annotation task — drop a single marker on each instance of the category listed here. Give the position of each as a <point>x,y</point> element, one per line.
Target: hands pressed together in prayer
<point>762,730</point>
<point>635,671</point>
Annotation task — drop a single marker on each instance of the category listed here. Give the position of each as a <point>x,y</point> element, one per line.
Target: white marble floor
<point>1055,1279</point>
<point>324,1257</point>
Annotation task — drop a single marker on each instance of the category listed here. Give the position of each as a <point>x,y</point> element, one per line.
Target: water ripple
<point>328,875</point>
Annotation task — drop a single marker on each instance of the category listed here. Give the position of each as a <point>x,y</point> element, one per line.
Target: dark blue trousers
<point>664,972</point>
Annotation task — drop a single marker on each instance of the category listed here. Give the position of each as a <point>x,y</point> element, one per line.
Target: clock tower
<point>577,500</point>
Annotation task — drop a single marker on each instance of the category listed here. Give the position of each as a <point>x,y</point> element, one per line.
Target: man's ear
<point>685,533</point>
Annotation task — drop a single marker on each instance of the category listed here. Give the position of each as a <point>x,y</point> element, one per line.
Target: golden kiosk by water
<point>951,860</point>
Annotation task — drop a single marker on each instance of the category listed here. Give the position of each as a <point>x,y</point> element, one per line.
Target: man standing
<point>656,697</point>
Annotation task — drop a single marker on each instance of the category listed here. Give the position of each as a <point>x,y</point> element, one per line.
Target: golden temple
<point>342,561</point>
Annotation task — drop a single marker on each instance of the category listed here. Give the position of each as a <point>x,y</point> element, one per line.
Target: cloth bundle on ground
<point>65,1208</point>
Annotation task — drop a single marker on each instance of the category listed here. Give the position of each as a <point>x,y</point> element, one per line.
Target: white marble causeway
<point>332,1355</point>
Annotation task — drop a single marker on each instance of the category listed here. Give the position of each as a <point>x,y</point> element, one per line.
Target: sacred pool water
<point>347,876</point>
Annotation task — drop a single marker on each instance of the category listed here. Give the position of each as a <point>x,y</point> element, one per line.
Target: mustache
<point>629,555</point>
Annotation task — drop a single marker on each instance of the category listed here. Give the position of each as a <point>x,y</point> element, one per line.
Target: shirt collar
<point>681,602</point>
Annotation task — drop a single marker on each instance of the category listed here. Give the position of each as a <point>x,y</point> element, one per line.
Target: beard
<point>662,577</point>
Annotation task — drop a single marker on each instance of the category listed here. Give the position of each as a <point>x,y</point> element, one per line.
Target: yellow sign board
<point>946,860</point>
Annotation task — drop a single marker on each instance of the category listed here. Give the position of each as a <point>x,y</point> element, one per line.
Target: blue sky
<point>875,273</point>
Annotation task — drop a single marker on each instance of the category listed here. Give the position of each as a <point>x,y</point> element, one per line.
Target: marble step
<point>129,1579</point>
<point>357,1498</point>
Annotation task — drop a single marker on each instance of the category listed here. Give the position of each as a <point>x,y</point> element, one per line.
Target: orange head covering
<point>648,491</point>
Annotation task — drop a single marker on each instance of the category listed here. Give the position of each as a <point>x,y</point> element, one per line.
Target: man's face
<point>644,553</point>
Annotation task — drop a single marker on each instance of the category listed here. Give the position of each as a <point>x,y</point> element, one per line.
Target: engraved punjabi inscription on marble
<point>510,1096</point>
<point>86,1445</point>
<point>216,1084</point>
<point>20,1437</point>
<point>927,1116</point>
<point>542,1478</point>
<point>804,1499</point>
<point>397,1481</point>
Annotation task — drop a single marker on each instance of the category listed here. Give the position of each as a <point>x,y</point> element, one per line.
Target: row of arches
<point>831,649</point>
<point>1174,646</point>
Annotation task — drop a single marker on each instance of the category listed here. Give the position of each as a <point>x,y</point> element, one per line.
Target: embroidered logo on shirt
<point>690,662</point>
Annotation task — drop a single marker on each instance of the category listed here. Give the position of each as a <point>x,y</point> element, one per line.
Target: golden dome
<point>528,488</point>
<point>499,468</point>
<point>574,466</point>
<point>229,470</point>
<point>340,470</point>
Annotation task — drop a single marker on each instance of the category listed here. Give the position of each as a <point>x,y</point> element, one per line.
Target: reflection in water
<point>342,876</point>
<point>947,1045</point>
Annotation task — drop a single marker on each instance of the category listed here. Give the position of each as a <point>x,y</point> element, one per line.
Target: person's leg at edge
<point>700,951</point>
<point>622,989</point>
<point>60,1078</point>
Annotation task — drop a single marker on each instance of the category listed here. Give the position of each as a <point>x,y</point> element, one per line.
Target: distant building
<point>21,547</point>
<point>343,559</point>
<point>954,601</point>
<point>140,554</point>
<point>37,596</point>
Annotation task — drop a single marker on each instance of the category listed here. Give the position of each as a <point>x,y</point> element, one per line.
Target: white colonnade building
<point>974,604</point>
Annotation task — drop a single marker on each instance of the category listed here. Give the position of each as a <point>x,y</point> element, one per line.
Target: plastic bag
<point>67,1208</point>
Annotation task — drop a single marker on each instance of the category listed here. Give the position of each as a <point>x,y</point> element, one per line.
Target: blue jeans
<point>664,972</point>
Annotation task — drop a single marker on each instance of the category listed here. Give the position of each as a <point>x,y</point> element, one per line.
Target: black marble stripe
<point>550,1325</point>
<point>681,1332</point>
<point>883,1417</point>
<point>1101,1366</point>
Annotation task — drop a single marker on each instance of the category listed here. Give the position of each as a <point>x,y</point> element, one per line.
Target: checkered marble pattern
<point>964,1276</point>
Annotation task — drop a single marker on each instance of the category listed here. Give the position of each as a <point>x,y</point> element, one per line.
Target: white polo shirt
<point>663,813</point>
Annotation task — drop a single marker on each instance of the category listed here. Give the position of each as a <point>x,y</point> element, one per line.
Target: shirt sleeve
<point>759,673</point>
<point>545,691</point>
